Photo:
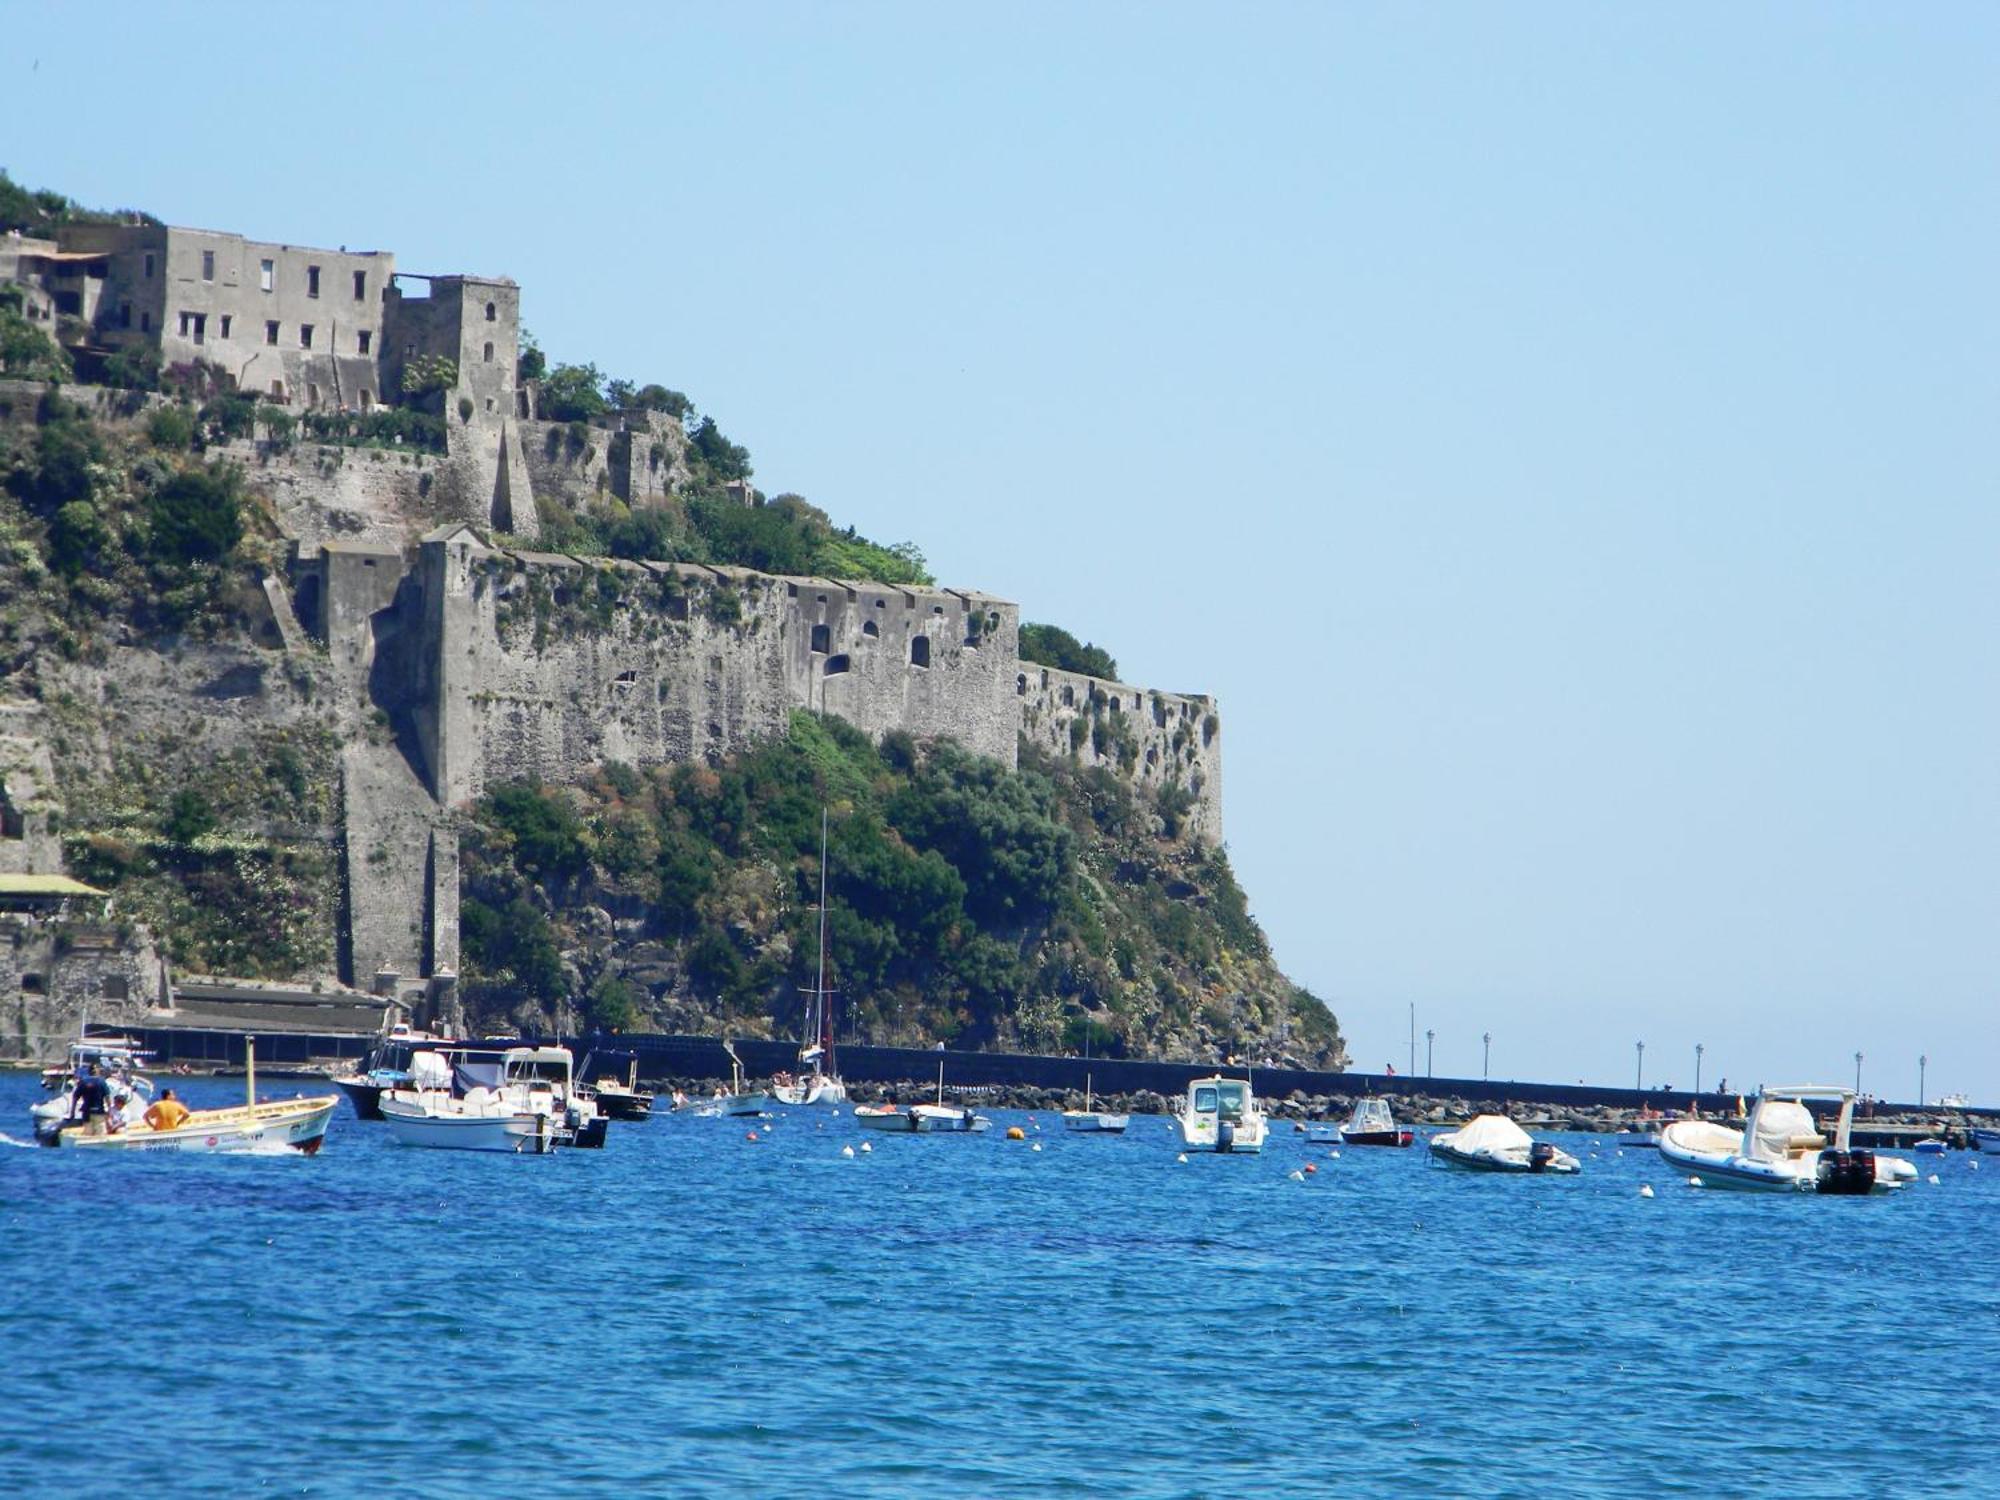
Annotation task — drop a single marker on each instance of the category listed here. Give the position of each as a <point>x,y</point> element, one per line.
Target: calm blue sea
<point>689,1313</point>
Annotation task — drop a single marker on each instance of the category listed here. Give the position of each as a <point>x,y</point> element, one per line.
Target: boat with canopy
<point>1494,1143</point>
<point>1781,1148</point>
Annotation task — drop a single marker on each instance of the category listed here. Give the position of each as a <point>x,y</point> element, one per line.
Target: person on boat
<point>125,1111</point>
<point>87,1103</point>
<point>167,1112</point>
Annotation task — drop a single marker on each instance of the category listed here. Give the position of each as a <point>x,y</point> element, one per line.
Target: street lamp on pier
<point>1486,1057</point>
<point>1639,1080</point>
<point>1697,1068</point>
<point>1922,1063</point>
<point>1430,1042</point>
<point>1857,1072</point>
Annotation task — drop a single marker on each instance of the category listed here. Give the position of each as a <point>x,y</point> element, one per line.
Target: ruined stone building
<point>489,661</point>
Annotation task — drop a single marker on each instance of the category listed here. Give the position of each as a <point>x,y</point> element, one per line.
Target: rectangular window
<point>201,328</point>
<point>360,286</point>
<point>187,324</point>
<point>149,265</point>
<point>145,322</point>
<point>361,339</point>
<point>225,325</point>
<point>124,315</point>
<point>270,333</point>
<point>267,274</point>
<point>208,265</point>
<point>312,281</point>
<point>305,335</point>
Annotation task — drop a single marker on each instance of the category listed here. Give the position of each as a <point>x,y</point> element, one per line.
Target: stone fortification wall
<point>1152,739</point>
<point>325,493</point>
<point>536,664</point>
<point>638,460</point>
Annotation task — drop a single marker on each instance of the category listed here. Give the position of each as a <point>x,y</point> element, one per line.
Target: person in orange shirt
<point>166,1111</point>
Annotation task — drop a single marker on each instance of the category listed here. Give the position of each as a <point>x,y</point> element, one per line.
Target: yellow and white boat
<point>297,1124</point>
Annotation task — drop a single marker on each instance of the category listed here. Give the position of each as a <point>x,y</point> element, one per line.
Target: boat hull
<point>271,1127</point>
<point>819,1091</point>
<point>1731,1171</point>
<point>524,1134</point>
<point>1094,1122</point>
<point>1376,1137</point>
<point>1483,1161</point>
<point>1202,1134</point>
<point>625,1106</point>
<point>366,1097</point>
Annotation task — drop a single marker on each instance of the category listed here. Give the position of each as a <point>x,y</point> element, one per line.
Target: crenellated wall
<point>1153,739</point>
<point>541,665</point>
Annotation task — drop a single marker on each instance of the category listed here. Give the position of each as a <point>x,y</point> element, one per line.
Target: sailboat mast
<point>825,1011</point>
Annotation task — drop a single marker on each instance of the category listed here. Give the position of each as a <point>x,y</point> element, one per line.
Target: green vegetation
<point>971,903</point>
<point>40,213</point>
<point>1052,646</point>
<point>103,533</point>
<point>784,535</point>
<point>27,352</point>
<point>212,849</point>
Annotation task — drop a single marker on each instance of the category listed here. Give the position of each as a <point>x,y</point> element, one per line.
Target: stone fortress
<point>481,660</point>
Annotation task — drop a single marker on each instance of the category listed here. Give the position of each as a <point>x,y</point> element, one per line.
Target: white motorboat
<point>1092,1121</point>
<point>521,1100</point>
<point>1781,1149</point>
<point>1221,1115</point>
<point>818,1082</point>
<point>116,1060</point>
<point>923,1119</point>
<point>273,1125</point>
<point>1494,1143</point>
<point>1986,1142</point>
<point>739,1103</point>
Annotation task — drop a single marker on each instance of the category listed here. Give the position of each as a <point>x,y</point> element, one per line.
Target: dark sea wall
<point>680,1058</point>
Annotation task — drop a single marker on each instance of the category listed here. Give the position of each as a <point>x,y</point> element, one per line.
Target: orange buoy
<point>749,1135</point>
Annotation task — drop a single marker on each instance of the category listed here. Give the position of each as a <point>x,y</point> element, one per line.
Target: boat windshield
<point>1371,1114</point>
<point>1204,1099</point>
<point>1233,1096</point>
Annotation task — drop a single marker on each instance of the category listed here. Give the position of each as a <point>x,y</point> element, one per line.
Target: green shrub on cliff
<point>1052,646</point>
<point>970,902</point>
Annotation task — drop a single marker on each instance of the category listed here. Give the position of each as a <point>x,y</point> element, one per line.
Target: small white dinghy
<point>1494,1143</point>
<point>924,1119</point>
<point>1780,1149</point>
<point>1093,1121</point>
<point>1221,1115</point>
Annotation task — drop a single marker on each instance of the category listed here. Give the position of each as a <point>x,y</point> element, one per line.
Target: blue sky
<point>1560,436</point>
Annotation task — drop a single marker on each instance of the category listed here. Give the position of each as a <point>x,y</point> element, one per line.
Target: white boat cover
<point>1778,1122</point>
<point>1489,1133</point>
<point>430,1070</point>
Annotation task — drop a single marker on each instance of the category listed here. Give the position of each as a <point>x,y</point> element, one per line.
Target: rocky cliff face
<point>261,694</point>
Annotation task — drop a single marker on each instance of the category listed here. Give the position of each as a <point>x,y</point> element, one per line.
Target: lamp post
<point>1922,1063</point>
<point>1639,1081</point>
<point>1857,1072</point>
<point>1697,1068</point>
<point>1486,1057</point>
<point>1430,1043</point>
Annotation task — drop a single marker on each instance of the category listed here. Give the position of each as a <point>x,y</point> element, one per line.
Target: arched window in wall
<point>920,651</point>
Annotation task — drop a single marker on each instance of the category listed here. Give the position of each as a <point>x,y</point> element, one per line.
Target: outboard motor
<point>1225,1135</point>
<point>1846,1172</point>
<point>1540,1155</point>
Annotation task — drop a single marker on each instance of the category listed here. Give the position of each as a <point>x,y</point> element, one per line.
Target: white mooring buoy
<point>847,1151</point>
<point>1646,1191</point>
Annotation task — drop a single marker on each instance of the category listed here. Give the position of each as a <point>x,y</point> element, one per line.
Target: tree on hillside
<point>1052,646</point>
